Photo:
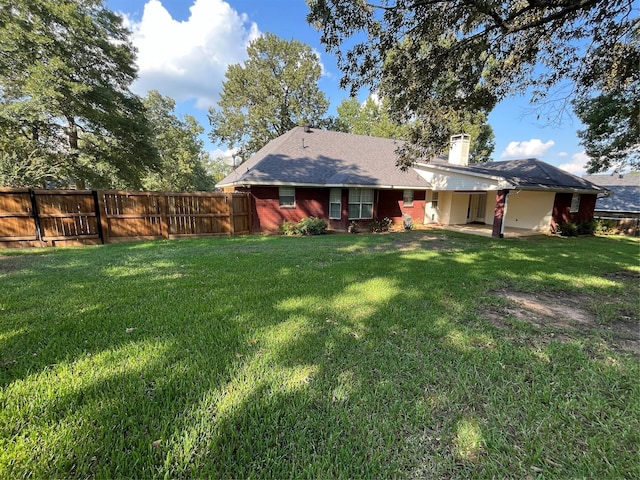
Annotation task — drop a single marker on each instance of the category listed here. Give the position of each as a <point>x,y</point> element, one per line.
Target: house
<point>622,206</point>
<point>345,178</point>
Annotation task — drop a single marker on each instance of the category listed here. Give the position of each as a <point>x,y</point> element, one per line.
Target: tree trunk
<point>72,133</point>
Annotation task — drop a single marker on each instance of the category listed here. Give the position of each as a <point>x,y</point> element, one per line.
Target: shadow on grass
<point>348,357</point>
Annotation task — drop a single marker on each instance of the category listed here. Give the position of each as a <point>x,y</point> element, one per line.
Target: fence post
<point>36,214</point>
<point>232,223</point>
<point>103,217</point>
<point>97,206</point>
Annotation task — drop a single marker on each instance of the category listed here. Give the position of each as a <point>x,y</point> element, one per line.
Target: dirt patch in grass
<point>566,316</point>
<point>415,240</point>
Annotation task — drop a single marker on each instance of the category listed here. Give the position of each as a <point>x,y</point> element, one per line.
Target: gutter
<point>323,185</point>
<point>443,168</point>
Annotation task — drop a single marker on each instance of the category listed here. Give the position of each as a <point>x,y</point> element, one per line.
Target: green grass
<point>339,356</point>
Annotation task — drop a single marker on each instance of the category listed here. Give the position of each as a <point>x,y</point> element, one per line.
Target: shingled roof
<point>321,158</point>
<point>528,173</point>
<point>625,192</point>
<point>311,157</point>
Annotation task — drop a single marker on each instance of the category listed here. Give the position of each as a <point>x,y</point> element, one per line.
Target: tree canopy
<point>435,57</point>
<point>368,118</point>
<point>182,157</point>
<point>66,110</point>
<point>612,134</point>
<point>372,118</point>
<point>611,116</point>
<point>274,90</point>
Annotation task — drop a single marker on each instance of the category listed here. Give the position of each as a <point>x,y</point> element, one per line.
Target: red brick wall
<point>562,207</point>
<point>268,215</point>
<point>390,205</point>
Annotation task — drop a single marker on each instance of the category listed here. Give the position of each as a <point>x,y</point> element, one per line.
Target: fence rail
<point>30,217</point>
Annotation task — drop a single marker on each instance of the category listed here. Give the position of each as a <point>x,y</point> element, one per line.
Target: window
<point>360,203</point>
<point>335,203</point>
<point>575,203</point>
<point>407,198</point>
<point>434,199</point>
<point>287,196</point>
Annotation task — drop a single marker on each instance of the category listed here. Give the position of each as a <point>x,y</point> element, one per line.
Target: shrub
<point>380,225</point>
<point>568,229</point>
<point>311,226</point>
<point>604,227</point>
<point>586,228</point>
<point>571,229</point>
<point>288,228</point>
<point>306,226</point>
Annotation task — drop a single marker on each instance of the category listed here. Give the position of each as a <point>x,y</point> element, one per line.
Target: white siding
<point>458,181</point>
<point>530,210</point>
<point>459,207</point>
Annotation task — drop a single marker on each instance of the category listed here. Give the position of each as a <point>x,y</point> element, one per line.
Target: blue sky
<point>185,46</point>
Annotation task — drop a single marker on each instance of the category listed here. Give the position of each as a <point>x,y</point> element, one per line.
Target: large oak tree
<point>66,111</point>
<point>274,90</point>
<point>435,57</point>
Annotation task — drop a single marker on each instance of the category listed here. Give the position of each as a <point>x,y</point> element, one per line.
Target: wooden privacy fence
<point>31,217</point>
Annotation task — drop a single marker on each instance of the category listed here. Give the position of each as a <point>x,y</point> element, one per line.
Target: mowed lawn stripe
<point>337,356</point>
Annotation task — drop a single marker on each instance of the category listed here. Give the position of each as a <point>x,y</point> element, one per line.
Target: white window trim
<point>360,203</point>
<point>435,197</point>
<point>575,203</point>
<point>407,194</point>
<point>338,192</point>
<point>287,192</point>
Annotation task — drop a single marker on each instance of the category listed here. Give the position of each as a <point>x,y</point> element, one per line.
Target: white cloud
<point>188,59</point>
<point>227,156</point>
<point>530,148</point>
<point>578,165</point>
<point>562,154</point>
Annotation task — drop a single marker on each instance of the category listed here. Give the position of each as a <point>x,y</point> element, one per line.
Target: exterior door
<point>477,207</point>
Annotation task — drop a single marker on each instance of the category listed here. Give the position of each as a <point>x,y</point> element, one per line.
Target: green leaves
<point>179,147</point>
<point>273,91</point>
<point>435,59</point>
<point>612,134</point>
<point>64,94</point>
<point>373,117</point>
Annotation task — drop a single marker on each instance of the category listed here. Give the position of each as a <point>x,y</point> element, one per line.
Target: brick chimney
<point>459,149</point>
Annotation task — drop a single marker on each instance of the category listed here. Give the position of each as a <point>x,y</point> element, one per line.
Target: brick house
<point>346,178</point>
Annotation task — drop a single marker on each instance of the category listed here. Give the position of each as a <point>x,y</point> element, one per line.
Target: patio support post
<point>500,214</point>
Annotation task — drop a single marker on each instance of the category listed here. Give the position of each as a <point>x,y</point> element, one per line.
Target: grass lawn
<point>416,354</point>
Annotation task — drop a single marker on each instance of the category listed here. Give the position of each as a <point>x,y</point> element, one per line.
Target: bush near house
<point>306,226</point>
<point>570,229</point>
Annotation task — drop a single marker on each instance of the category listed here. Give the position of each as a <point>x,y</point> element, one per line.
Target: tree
<point>612,134</point>
<point>65,106</point>
<point>611,116</point>
<point>372,118</point>
<point>274,90</point>
<point>368,118</point>
<point>435,57</point>
<point>181,153</point>
<point>218,168</point>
